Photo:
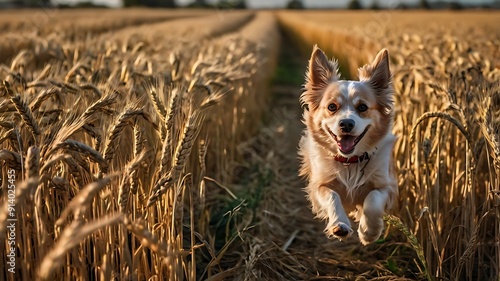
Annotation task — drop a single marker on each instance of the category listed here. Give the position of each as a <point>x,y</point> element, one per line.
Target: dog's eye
<point>332,107</point>
<point>362,107</point>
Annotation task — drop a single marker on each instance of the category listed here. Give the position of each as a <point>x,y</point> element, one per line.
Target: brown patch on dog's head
<point>377,76</point>
<point>320,73</point>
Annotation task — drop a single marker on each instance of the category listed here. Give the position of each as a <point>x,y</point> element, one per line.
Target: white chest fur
<point>375,170</point>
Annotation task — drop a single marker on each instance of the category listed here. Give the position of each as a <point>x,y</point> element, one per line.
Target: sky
<point>282,3</point>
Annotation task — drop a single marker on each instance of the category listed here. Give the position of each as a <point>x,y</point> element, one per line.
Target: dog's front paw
<point>369,230</point>
<point>340,231</point>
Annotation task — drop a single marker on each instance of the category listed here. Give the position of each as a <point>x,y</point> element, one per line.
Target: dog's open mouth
<point>347,143</point>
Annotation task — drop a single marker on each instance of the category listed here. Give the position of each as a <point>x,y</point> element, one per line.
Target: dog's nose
<point>346,125</point>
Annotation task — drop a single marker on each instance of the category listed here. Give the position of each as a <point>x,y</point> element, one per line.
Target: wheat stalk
<point>72,235</point>
<point>100,105</point>
<point>75,170</point>
<point>158,105</point>
<point>9,135</point>
<point>61,132</point>
<point>43,96</point>
<point>76,146</point>
<point>82,199</point>
<point>442,115</point>
<point>491,136</point>
<point>127,180</point>
<point>182,151</point>
<point>94,134</point>
<point>396,222</point>
<point>173,110</point>
<point>26,114</point>
<point>44,73</point>
<point>60,183</point>
<point>12,159</point>
<point>127,118</point>
<point>91,87</point>
<point>32,164</point>
<point>147,238</point>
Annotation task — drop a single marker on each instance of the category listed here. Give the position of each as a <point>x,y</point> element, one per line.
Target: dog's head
<point>348,117</point>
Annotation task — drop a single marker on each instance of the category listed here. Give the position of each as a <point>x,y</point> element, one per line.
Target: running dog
<point>346,148</point>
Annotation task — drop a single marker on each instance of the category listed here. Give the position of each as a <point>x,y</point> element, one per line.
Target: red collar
<point>355,159</point>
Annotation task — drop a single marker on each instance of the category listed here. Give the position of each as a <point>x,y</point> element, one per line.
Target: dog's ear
<point>320,73</point>
<point>377,76</point>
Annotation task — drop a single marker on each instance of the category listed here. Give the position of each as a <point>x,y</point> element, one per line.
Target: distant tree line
<point>222,4</point>
<point>48,4</point>
<point>422,4</point>
<point>149,3</point>
<point>241,4</point>
<point>25,3</point>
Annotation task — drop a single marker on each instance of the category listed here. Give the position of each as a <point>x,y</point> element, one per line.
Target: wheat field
<point>161,145</point>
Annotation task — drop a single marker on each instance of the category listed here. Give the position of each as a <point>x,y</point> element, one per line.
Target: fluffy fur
<point>346,119</point>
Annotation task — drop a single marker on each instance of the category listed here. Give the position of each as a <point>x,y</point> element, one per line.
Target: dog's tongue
<point>346,144</point>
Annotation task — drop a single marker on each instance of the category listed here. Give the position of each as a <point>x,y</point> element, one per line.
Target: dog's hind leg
<point>329,206</point>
